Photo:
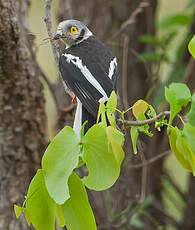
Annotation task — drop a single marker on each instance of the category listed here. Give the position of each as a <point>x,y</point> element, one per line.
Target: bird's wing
<point>89,85</point>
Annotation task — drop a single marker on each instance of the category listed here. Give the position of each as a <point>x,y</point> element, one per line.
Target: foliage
<point>56,191</point>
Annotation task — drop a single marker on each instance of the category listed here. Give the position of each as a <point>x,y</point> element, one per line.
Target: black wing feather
<point>96,57</point>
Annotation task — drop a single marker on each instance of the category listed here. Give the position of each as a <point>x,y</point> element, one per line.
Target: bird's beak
<point>57,36</point>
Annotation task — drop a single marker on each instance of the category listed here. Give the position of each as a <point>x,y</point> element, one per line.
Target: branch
<point>151,160</point>
<point>51,86</point>
<point>47,20</point>
<point>130,20</point>
<point>147,121</point>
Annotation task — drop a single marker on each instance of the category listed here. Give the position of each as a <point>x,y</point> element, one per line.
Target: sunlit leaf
<point>140,106</point>
<point>102,114</point>
<point>189,133</point>
<point>191,46</point>
<point>174,134</point>
<point>58,162</point>
<point>77,211</point>
<point>191,114</point>
<point>27,216</point>
<point>134,135</point>
<point>111,106</point>
<point>116,140</point>
<point>59,215</point>
<point>39,204</point>
<point>178,95</point>
<point>101,162</point>
<point>17,210</point>
<point>184,148</point>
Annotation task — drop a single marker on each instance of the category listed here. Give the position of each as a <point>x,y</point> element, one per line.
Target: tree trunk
<point>22,114</point>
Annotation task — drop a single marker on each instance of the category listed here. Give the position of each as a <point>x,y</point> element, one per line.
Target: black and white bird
<point>88,68</point>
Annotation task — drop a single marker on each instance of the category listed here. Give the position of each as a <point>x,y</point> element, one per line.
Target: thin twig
<point>124,72</point>
<point>130,20</point>
<point>147,121</point>
<point>51,86</point>
<point>151,160</point>
<point>47,20</point>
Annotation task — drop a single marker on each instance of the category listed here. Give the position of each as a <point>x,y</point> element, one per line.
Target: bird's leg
<point>74,99</point>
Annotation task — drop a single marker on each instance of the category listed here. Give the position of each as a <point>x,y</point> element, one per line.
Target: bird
<point>88,68</point>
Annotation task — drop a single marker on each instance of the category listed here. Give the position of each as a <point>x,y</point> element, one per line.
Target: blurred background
<point>152,52</point>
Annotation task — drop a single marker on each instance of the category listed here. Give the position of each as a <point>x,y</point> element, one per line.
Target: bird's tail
<point>81,116</point>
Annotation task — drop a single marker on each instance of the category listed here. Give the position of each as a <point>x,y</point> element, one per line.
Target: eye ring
<point>73,29</point>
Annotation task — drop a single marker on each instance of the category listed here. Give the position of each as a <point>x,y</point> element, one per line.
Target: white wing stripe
<point>113,64</point>
<point>86,73</point>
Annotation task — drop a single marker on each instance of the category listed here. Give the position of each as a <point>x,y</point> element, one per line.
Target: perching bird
<point>88,68</point>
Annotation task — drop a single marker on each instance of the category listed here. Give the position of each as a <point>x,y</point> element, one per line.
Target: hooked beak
<point>57,36</point>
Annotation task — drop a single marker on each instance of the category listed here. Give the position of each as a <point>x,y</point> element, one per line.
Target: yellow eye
<point>73,30</point>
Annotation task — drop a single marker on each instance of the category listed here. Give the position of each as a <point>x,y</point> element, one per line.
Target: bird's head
<point>72,32</point>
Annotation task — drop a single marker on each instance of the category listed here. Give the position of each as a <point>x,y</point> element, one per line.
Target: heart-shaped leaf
<point>39,204</point>
<point>58,162</point>
<point>77,211</point>
<point>101,162</point>
<point>178,95</point>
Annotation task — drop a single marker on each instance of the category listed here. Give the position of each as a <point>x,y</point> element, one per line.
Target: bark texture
<point>22,111</point>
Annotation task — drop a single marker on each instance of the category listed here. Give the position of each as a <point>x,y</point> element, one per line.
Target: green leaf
<point>77,211</point>
<point>102,114</point>
<point>151,56</point>
<point>148,201</point>
<point>191,46</point>
<point>174,134</point>
<point>101,162</point>
<point>17,210</point>
<point>144,128</point>
<point>111,106</point>
<point>134,135</point>
<point>39,204</point>
<point>27,216</point>
<point>115,141</point>
<point>152,40</point>
<point>139,106</point>
<point>175,20</point>
<point>184,148</point>
<point>191,114</point>
<point>178,95</point>
<point>59,160</point>
<point>189,133</point>
<point>59,215</point>
<point>83,128</point>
